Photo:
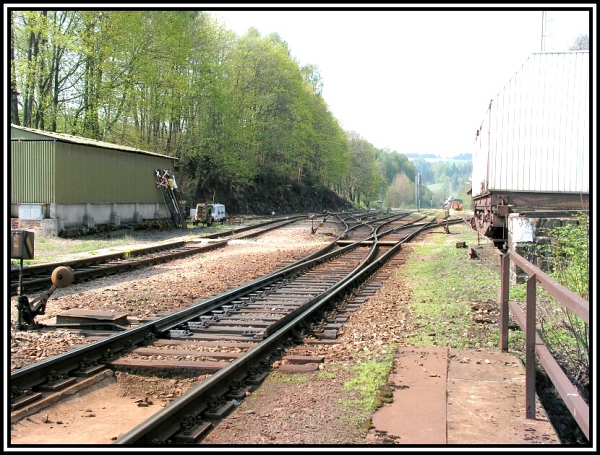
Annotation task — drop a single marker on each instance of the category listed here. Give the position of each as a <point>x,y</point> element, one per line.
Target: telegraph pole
<point>417,195</point>
<point>545,33</point>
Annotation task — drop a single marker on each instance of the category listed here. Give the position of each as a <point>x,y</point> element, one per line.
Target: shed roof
<point>41,135</point>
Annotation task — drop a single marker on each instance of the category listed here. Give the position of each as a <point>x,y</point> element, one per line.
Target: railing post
<point>530,335</point>
<point>504,275</point>
<point>536,351</point>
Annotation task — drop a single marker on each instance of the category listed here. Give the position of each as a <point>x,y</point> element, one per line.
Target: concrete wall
<point>60,217</point>
<point>526,234</point>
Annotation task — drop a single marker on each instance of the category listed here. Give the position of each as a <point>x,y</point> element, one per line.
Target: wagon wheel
<point>474,223</point>
<point>62,277</point>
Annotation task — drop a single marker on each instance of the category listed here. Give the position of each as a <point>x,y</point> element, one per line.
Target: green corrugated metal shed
<point>53,168</point>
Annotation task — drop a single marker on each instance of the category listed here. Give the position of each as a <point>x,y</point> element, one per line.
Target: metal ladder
<point>166,184</point>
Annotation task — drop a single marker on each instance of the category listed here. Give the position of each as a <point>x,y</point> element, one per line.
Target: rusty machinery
<point>313,229</point>
<point>22,247</point>
<point>203,214</point>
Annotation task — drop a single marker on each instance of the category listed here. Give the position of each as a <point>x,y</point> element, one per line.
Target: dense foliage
<point>569,254</point>
<point>239,113</point>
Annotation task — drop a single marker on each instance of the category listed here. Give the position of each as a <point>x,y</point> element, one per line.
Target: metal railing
<point>533,343</point>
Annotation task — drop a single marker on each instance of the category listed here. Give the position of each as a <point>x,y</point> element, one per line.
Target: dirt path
<point>85,418</point>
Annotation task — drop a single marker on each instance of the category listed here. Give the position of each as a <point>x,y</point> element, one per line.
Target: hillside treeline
<point>239,113</point>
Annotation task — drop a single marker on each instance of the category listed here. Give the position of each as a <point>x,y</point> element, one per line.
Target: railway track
<point>308,298</point>
<point>33,278</point>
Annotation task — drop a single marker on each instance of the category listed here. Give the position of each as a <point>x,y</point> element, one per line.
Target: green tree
<point>425,168</point>
<point>236,111</point>
<point>44,61</point>
<point>401,193</point>
<point>392,163</point>
<point>363,179</point>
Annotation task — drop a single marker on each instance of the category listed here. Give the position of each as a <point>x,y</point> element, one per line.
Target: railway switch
<point>27,311</point>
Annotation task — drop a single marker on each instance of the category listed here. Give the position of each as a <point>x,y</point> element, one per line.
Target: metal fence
<point>533,343</point>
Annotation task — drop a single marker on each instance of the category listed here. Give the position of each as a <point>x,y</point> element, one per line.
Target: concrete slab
<point>77,315</point>
<point>452,396</point>
<point>418,412</point>
<point>486,401</point>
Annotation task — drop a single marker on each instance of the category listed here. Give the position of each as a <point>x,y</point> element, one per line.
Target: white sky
<point>413,81</point>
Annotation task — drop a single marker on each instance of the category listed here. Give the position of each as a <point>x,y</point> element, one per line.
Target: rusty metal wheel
<point>62,276</point>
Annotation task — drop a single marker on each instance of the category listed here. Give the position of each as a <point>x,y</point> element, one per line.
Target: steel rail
<point>104,351</point>
<point>163,425</point>
<point>88,268</point>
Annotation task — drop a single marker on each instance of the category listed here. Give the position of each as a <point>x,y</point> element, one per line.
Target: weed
<point>518,292</point>
<point>565,334</point>
<point>367,384</point>
<point>516,340</point>
<point>326,375</point>
<point>444,287</point>
<point>569,254</point>
<point>290,378</point>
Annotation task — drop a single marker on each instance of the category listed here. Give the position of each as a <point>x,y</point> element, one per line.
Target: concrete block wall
<point>82,219</point>
<point>526,235</point>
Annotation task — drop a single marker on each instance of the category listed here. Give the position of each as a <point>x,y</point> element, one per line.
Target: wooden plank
<point>77,315</point>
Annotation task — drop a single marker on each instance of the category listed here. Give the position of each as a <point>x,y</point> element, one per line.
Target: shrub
<point>566,335</point>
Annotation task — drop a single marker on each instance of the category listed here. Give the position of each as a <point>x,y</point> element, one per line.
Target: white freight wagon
<point>532,149</point>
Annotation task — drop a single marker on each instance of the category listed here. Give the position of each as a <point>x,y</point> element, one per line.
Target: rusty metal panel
<point>32,172</point>
<point>535,135</point>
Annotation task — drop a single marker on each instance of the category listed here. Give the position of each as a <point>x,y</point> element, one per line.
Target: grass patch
<point>517,292</point>
<point>289,378</point>
<point>445,284</point>
<point>326,375</point>
<point>51,250</point>
<point>46,251</point>
<point>301,378</point>
<point>371,376</point>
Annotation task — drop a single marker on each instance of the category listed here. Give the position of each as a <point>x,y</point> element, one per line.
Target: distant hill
<point>463,156</point>
<point>431,157</point>
<point>422,155</point>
